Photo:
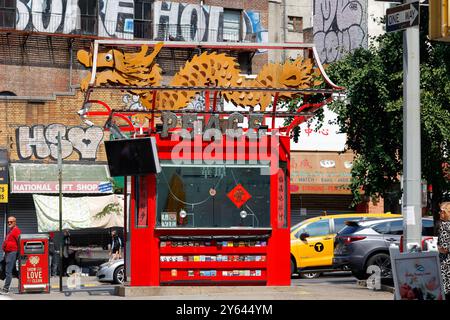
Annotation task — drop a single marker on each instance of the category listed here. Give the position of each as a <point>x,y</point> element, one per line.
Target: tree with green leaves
<point>372,115</point>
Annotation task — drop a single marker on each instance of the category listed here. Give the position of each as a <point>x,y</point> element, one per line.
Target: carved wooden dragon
<point>207,69</point>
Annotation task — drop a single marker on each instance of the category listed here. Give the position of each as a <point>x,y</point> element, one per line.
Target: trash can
<point>34,273</point>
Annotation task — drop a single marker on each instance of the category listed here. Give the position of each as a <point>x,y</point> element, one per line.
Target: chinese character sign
<point>281,203</point>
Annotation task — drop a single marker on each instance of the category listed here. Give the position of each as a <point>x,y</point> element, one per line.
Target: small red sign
<point>238,195</point>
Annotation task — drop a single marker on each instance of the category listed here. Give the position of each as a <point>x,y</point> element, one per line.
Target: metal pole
<point>411,206</point>
<point>60,213</point>
<point>125,208</point>
<point>283,3</point>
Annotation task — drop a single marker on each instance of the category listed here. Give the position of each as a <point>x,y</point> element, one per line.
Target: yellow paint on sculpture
<point>207,69</point>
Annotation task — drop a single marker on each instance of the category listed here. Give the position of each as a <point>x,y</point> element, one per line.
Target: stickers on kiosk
<point>34,263</point>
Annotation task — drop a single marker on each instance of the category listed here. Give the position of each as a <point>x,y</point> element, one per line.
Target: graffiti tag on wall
<point>116,19</point>
<point>64,16</point>
<point>42,141</point>
<point>192,22</point>
<point>340,26</point>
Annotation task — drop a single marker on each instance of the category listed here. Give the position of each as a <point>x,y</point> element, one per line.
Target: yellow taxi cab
<point>312,241</point>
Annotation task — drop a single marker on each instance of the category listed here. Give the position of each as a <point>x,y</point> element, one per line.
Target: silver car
<point>365,243</point>
<point>112,271</point>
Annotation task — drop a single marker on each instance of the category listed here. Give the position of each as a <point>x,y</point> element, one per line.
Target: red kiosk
<point>196,223</point>
<point>218,212</point>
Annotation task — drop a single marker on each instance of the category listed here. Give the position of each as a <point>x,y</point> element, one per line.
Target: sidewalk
<point>93,290</point>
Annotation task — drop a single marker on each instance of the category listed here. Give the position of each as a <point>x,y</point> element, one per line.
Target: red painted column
<point>144,244</point>
<point>278,250</point>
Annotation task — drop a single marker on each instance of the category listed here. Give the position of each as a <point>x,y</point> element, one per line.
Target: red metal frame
<point>126,115</point>
<point>148,270</point>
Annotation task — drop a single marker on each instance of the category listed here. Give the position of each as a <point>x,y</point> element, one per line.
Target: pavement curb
<point>127,291</point>
<point>363,283</point>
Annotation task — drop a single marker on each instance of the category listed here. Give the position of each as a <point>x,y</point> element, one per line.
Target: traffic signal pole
<point>411,204</point>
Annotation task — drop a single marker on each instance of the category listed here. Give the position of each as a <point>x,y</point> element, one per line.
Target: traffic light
<point>439,13</point>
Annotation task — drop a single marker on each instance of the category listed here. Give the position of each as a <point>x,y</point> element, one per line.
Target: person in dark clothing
<point>10,248</point>
<point>116,246</point>
<point>53,254</point>
<point>66,252</point>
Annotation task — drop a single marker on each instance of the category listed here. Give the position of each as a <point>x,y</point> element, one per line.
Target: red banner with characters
<point>281,206</point>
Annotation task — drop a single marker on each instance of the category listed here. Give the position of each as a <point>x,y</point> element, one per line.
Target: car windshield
<point>349,229</point>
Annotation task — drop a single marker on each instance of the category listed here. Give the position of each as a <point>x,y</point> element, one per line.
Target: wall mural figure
<point>112,18</point>
<point>191,22</point>
<point>64,16</point>
<point>340,26</point>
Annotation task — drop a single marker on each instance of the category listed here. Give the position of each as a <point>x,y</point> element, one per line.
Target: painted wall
<point>41,141</point>
<point>377,11</point>
<point>339,26</point>
<point>115,18</point>
<point>201,24</point>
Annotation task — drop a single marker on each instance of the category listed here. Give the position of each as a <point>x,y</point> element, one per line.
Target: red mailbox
<point>34,263</point>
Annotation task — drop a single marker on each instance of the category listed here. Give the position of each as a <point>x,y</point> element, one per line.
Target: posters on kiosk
<point>417,275</point>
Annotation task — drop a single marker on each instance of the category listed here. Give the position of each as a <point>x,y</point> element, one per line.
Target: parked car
<point>312,242</point>
<point>365,243</point>
<point>112,271</point>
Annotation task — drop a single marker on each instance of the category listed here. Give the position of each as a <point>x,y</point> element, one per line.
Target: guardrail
<point>128,28</point>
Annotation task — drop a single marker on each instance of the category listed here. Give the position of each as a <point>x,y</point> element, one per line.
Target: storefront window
<point>213,196</point>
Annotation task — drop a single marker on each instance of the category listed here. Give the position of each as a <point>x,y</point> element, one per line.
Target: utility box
<point>33,263</point>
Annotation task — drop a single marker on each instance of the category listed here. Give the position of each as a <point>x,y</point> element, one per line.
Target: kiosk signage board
<point>417,275</point>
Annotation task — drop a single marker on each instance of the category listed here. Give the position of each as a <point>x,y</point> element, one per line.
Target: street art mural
<point>115,18</point>
<point>192,22</point>
<point>339,27</point>
<point>42,141</point>
<point>172,20</point>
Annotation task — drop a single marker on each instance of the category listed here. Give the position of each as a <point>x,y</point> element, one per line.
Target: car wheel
<point>382,261</point>
<point>119,275</point>
<point>293,267</point>
<point>310,275</point>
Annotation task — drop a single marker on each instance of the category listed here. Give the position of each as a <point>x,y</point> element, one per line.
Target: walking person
<point>52,254</point>
<point>116,246</point>
<point>66,252</point>
<point>444,246</point>
<point>10,248</point>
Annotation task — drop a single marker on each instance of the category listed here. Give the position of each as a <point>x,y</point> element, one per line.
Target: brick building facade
<point>40,76</point>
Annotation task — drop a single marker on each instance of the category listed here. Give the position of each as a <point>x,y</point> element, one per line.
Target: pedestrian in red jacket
<point>10,248</point>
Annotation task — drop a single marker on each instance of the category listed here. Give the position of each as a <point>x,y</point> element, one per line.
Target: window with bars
<point>7,13</point>
<point>89,17</point>
<point>295,24</point>
<point>232,25</point>
<point>143,19</point>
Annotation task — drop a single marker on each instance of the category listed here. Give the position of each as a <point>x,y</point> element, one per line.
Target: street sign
<point>402,17</point>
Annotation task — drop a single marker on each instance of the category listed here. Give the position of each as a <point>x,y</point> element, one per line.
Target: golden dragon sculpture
<point>207,69</point>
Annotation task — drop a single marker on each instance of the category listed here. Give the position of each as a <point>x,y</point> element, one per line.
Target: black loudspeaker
<point>132,157</point>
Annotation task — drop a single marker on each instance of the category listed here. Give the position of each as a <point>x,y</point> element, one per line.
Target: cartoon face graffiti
<point>339,27</point>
